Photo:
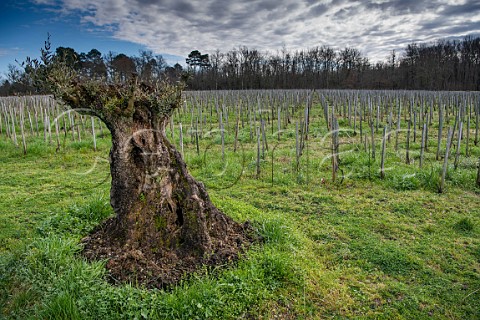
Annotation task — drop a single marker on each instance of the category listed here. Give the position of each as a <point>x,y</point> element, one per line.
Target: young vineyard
<point>25,119</point>
<point>411,139</point>
<point>367,203</point>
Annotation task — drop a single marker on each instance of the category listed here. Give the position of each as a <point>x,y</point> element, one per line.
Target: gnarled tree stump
<point>165,223</point>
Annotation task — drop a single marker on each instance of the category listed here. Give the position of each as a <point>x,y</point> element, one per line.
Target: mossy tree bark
<point>165,223</point>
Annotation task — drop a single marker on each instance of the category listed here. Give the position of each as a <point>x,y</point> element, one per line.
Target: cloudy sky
<point>176,27</point>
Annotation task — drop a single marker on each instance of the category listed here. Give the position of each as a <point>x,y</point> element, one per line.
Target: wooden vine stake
<point>258,153</point>
<point>441,187</point>
<point>467,139</point>
<point>14,133</point>
<point>477,112</point>
<point>93,134</point>
<point>22,120</point>
<point>478,174</point>
<point>459,140</point>
<point>57,134</point>
<point>382,161</point>
<point>440,129</point>
<point>422,149</point>
<point>297,147</point>
<point>407,147</point>
<point>335,128</point>
<point>222,133</point>
<point>235,143</point>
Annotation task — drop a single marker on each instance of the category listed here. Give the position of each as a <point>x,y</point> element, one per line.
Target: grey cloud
<point>280,12</point>
<point>471,7</point>
<point>467,28</point>
<point>346,12</point>
<point>318,9</point>
<point>291,6</point>
<point>374,32</point>
<point>451,38</point>
<point>282,31</point>
<point>149,2</point>
<point>397,7</point>
<point>267,5</point>
<point>179,26</point>
<point>454,19</point>
<point>182,6</point>
<point>310,2</point>
<point>217,7</point>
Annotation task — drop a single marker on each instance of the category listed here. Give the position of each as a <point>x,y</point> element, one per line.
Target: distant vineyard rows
<point>343,134</point>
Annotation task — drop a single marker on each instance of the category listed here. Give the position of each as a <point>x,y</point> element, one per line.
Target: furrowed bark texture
<point>165,223</point>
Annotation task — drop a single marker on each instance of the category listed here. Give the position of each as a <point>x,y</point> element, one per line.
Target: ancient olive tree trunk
<point>165,223</point>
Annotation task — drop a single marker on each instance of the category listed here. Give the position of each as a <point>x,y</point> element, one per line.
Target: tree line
<point>441,65</point>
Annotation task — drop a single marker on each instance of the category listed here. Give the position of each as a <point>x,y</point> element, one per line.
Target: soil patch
<point>162,267</point>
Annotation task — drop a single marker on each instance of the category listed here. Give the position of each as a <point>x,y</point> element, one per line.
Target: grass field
<point>362,247</point>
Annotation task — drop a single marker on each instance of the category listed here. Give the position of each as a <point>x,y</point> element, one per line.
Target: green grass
<point>363,247</point>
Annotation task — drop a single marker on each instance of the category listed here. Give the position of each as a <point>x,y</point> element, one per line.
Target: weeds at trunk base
<point>161,267</point>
